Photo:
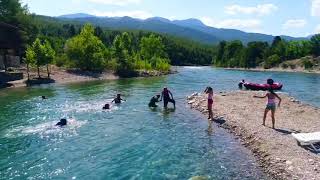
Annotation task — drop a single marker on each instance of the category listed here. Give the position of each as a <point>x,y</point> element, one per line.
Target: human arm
<point>171,94</point>
<point>255,96</point>
<point>279,103</point>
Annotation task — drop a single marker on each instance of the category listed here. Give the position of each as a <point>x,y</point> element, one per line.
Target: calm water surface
<point>130,141</point>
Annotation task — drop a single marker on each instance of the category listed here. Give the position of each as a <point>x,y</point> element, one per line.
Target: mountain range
<point>192,29</point>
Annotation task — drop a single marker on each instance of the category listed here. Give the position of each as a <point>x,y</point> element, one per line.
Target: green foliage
<point>315,45</point>
<point>272,61</point>
<point>284,65</point>
<point>30,56</point>
<point>307,63</point>
<point>86,50</point>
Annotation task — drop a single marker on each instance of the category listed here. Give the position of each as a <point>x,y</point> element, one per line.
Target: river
<point>130,141</point>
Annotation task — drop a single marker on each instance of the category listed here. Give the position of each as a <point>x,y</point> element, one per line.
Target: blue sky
<point>276,17</point>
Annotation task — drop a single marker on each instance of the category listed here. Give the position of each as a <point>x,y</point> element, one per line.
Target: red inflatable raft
<point>263,87</point>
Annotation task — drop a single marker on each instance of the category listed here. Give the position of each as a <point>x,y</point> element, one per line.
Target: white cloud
<point>133,14</point>
<point>294,23</point>
<point>261,9</point>
<point>253,25</point>
<point>116,2</point>
<point>317,31</point>
<point>315,8</point>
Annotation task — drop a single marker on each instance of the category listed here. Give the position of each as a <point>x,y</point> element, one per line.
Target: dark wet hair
<point>158,95</point>
<point>63,121</point>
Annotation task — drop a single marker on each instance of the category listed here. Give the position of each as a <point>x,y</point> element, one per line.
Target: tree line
<point>46,40</point>
<point>235,54</point>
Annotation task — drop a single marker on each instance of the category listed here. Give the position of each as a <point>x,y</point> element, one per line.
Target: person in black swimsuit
<point>62,122</point>
<point>118,99</point>
<point>165,95</point>
<point>154,100</point>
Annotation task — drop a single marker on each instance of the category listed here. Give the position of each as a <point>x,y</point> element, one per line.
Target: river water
<point>130,141</point>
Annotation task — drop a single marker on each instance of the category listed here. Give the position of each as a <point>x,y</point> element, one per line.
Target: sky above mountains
<point>297,18</point>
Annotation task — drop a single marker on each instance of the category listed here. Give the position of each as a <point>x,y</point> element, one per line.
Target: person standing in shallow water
<point>165,95</point>
<point>271,105</point>
<point>209,91</point>
<point>118,99</point>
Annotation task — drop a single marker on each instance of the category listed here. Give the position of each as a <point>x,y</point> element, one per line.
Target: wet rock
<point>288,163</point>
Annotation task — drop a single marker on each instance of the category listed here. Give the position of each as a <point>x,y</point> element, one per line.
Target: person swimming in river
<point>209,91</point>
<point>106,106</point>
<point>154,100</point>
<point>165,95</point>
<point>118,99</point>
<point>43,97</point>
<point>62,122</point>
<point>271,105</point>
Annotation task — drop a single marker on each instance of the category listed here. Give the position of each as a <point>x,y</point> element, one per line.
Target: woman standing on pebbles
<point>271,105</point>
<point>209,91</point>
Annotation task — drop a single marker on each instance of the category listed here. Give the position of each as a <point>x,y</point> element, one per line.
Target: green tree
<point>220,54</point>
<point>49,55</point>
<point>30,59</point>
<point>151,47</point>
<point>39,51</point>
<point>86,51</point>
<point>315,43</point>
<point>122,55</point>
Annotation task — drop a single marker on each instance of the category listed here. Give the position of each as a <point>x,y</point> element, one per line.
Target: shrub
<point>272,61</point>
<point>292,66</point>
<point>307,64</point>
<point>284,65</point>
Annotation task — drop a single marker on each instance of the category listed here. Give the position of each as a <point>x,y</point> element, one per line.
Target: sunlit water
<point>129,141</point>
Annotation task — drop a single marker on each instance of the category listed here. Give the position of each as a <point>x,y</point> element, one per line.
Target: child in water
<point>209,91</point>
<point>154,100</point>
<point>271,105</point>
<point>62,122</point>
<point>118,99</point>
<point>106,107</point>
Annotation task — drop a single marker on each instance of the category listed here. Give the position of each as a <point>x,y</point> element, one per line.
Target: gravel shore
<point>276,149</point>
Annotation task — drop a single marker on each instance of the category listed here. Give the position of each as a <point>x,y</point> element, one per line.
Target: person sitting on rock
<point>154,100</point>
<point>62,122</point>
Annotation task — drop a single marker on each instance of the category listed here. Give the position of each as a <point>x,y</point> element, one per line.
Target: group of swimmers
<point>167,97</point>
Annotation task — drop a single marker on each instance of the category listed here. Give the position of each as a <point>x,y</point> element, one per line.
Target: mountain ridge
<point>191,28</point>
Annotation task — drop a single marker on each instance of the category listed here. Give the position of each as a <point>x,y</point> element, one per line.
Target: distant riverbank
<point>277,150</point>
<point>276,69</point>
<point>63,76</point>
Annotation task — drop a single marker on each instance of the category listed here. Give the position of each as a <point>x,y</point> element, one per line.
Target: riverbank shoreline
<point>276,150</point>
<point>298,70</point>
<point>63,76</point>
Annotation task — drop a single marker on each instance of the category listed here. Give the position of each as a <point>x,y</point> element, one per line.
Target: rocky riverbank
<point>276,149</point>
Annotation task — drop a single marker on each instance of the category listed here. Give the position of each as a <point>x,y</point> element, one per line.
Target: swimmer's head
<point>106,106</point>
<point>63,122</point>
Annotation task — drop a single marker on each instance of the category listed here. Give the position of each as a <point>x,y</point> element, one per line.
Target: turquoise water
<point>130,141</point>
